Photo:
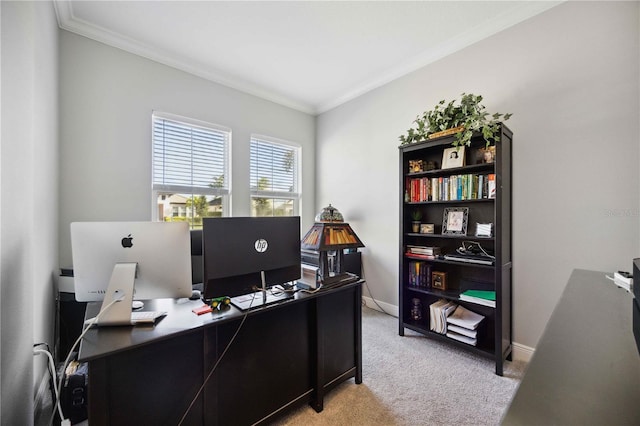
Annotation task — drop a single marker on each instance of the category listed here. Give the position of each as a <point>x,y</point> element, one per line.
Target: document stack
<point>438,313</point>
<point>462,325</point>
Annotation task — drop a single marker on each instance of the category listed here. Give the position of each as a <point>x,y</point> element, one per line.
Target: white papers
<point>465,318</point>
<point>463,324</point>
<point>438,313</point>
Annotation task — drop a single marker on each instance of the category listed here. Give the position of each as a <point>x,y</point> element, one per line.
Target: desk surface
<point>586,367</point>
<point>180,319</point>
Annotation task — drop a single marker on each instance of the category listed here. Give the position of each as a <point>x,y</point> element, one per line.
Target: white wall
<point>29,194</point>
<point>570,76</point>
<point>108,96</point>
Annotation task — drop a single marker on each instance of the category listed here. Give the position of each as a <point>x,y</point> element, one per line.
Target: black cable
<point>214,367</point>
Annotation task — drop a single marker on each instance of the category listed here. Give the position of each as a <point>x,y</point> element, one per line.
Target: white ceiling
<point>307,55</point>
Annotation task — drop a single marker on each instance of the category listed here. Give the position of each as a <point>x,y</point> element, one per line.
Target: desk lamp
<point>330,233</point>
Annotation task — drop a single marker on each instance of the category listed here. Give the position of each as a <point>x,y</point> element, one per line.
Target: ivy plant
<point>469,114</point>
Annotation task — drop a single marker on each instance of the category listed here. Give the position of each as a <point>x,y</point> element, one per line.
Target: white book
<point>461,330</point>
<point>461,338</point>
<point>465,318</point>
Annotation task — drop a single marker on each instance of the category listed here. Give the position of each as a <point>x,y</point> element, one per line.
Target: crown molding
<point>486,29</point>
<point>67,21</point>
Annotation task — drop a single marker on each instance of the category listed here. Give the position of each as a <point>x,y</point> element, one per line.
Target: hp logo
<point>261,245</point>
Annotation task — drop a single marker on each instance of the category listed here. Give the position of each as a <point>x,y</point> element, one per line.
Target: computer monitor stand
<point>121,290</point>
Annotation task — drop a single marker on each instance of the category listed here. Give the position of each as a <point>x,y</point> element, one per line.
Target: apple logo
<point>127,242</point>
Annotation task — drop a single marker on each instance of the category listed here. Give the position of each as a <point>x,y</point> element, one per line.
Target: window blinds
<point>274,169</point>
<point>189,158</point>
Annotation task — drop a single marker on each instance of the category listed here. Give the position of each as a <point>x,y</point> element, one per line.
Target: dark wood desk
<point>284,355</point>
<point>586,367</point>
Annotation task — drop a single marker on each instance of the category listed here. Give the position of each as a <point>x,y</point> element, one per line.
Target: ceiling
<point>308,55</point>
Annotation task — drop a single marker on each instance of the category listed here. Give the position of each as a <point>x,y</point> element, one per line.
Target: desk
<point>586,367</point>
<point>284,355</point>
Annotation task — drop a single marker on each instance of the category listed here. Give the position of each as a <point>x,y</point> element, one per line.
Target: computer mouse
<point>136,304</point>
<point>195,295</point>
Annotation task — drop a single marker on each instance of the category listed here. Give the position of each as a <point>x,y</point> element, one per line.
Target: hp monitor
<point>243,253</point>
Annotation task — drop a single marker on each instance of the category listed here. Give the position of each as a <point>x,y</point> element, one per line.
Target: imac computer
<point>116,262</point>
<point>245,254</point>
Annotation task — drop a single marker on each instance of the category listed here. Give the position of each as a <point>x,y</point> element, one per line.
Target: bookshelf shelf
<point>484,189</point>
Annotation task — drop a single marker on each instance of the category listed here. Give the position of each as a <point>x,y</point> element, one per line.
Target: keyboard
<point>146,317</point>
<point>255,300</point>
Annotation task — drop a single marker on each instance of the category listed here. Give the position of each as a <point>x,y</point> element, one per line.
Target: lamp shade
<point>330,236</point>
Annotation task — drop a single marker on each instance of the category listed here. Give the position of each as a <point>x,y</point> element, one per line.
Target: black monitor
<point>238,250</point>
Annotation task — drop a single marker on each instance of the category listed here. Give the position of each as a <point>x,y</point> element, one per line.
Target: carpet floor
<point>413,380</point>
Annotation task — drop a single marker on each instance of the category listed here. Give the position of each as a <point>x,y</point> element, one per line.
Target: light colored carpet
<point>413,380</point>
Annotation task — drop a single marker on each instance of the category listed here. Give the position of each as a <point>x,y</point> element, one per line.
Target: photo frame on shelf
<point>439,280</point>
<point>486,155</point>
<point>453,157</point>
<point>484,229</point>
<point>454,220</point>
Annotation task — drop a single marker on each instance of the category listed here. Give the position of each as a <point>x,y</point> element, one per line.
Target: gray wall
<point>107,97</point>
<point>28,201</point>
<point>570,76</point>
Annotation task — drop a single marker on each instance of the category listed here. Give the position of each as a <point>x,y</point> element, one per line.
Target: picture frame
<point>486,155</point>
<point>454,220</point>
<point>453,157</point>
<point>439,280</point>
<point>484,229</point>
<point>426,228</point>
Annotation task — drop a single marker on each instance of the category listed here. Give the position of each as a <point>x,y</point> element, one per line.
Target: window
<point>190,169</point>
<point>275,177</point>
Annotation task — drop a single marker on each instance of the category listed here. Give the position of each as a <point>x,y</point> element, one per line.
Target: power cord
<point>91,323</point>
<point>206,380</point>
<point>364,302</point>
<point>51,366</point>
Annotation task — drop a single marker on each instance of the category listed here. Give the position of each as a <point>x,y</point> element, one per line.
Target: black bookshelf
<point>494,334</point>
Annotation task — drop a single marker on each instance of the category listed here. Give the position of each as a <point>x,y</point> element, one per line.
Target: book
<point>481,297</point>
<point>461,330</point>
<point>423,250</point>
<point>465,318</point>
<point>492,185</point>
<point>461,338</point>
<point>438,313</point>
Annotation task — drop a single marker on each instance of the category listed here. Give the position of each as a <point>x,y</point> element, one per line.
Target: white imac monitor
<point>130,260</point>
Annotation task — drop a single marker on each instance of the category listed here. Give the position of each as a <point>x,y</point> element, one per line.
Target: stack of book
<point>423,251</point>
<point>462,325</point>
<point>419,274</point>
<point>438,313</point>
<point>481,297</point>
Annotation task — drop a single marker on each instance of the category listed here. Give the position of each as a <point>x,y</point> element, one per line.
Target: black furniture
<point>283,355</point>
<point>586,367</point>
<point>467,187</point>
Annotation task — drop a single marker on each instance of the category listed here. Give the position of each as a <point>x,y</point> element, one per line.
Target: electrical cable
<point>91,323</point>
<point>371,294</point>
<point>52,372</point>
<point>193,401</point>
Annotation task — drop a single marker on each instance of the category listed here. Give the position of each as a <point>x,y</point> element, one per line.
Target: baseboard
<point>379,306</point>
<point>520,352</point>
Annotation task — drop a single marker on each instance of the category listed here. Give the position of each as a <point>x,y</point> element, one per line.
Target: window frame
<point>159,189</point>
<point>296,197</point>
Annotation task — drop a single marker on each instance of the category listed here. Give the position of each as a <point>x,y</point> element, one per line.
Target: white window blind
<point>189,157</point>
<point>274,177</point>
